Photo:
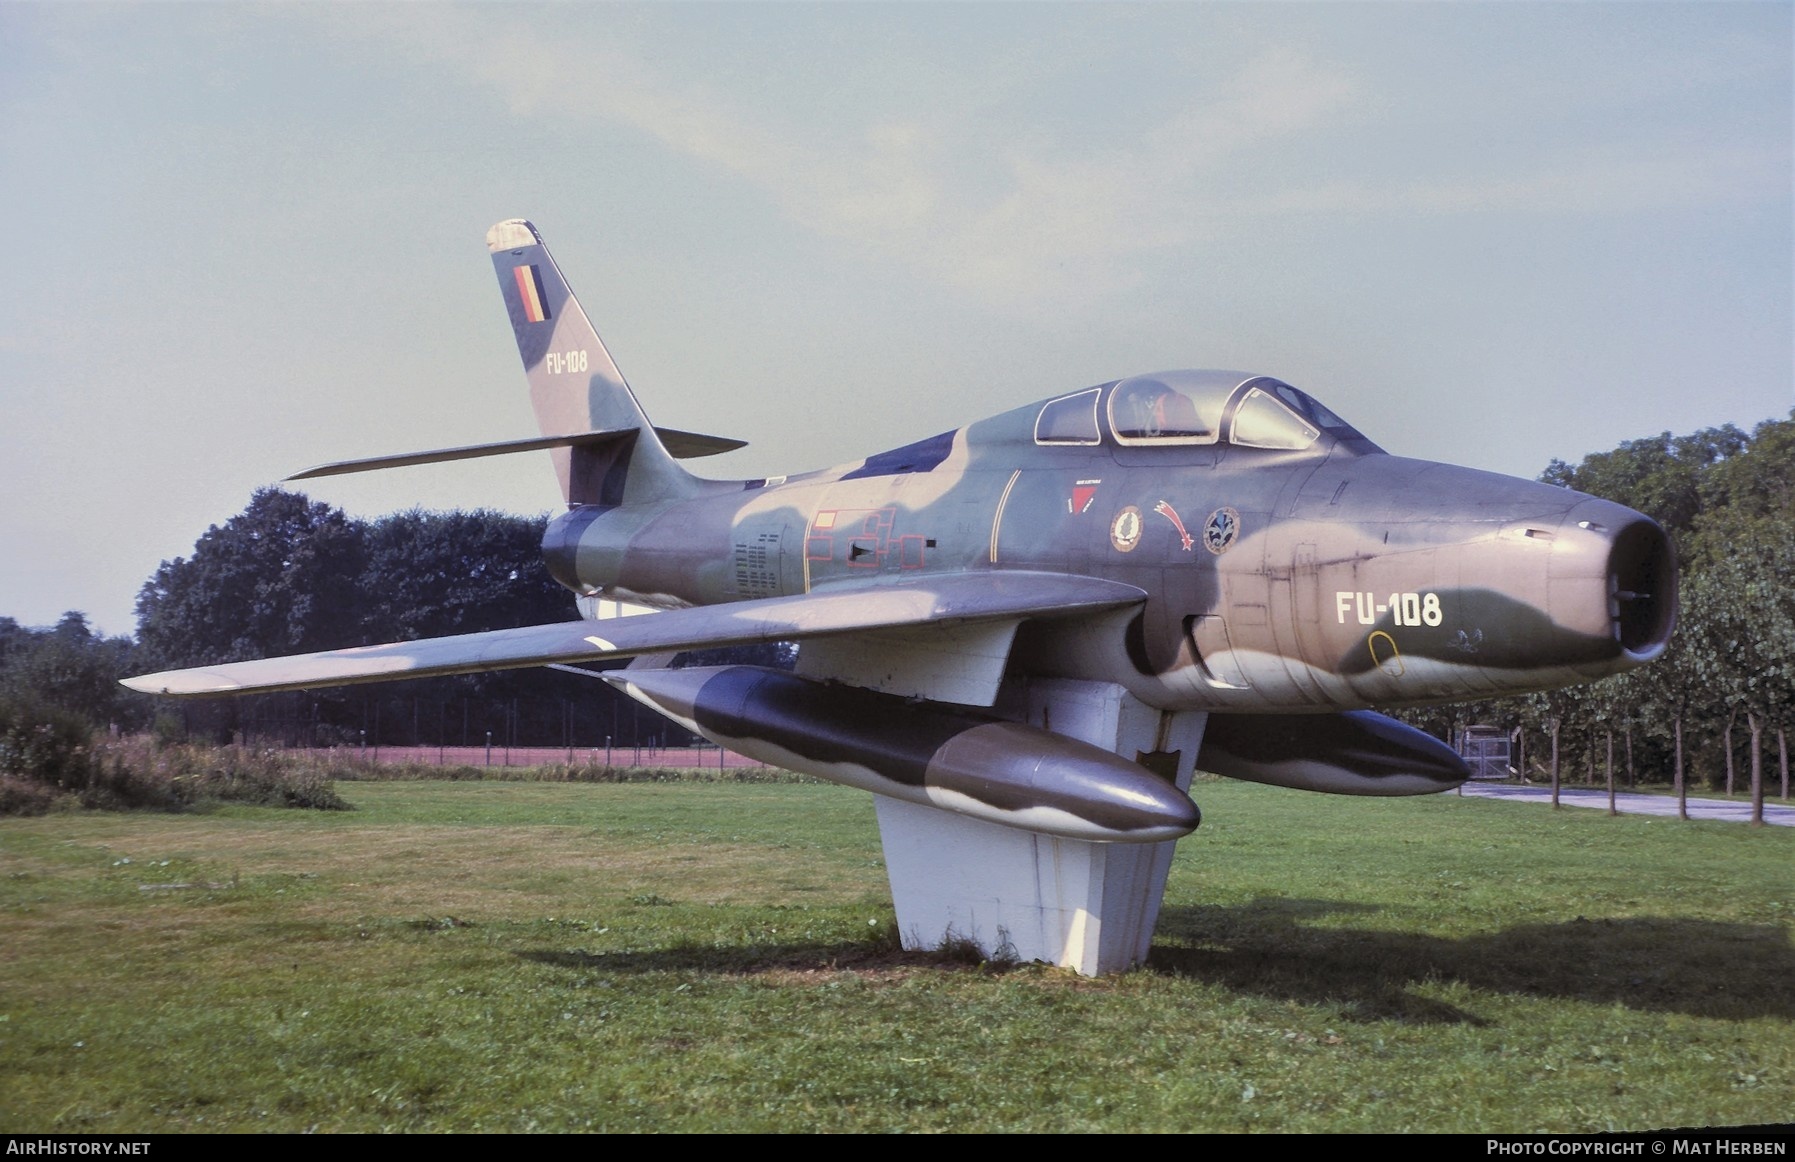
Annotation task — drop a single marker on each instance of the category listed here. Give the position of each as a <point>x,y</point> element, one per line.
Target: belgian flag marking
<point>529,290</point>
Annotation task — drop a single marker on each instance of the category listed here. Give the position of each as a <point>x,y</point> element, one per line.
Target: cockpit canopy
<point>1192,407</point>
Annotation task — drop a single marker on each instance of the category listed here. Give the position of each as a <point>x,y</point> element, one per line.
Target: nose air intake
<point>1642,588</point>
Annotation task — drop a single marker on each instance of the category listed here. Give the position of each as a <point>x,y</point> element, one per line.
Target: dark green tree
<point>278,578</point>
<point>429,574</point>
<point>1661,476</point>
<point>71,669</point>
<point>281,577</point>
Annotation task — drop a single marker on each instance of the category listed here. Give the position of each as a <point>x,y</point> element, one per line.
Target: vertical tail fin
<point>574,385</point>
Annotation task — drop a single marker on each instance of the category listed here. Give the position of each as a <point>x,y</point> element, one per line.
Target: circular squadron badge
<point>1220,530</point>
<point>1125,530</point>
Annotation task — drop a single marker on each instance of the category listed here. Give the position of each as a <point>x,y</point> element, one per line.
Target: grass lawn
<point>552,956</point>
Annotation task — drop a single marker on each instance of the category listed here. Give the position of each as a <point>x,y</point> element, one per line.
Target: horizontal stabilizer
<point>845,609</point>
<point>680,445</point>
<point>691,445</point>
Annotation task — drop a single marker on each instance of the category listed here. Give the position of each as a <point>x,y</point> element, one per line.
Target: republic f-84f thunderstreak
<point>1024,635</point>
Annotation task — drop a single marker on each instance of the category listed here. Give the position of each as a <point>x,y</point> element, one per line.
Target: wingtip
<point>177,684</point>
<point>511,234</point>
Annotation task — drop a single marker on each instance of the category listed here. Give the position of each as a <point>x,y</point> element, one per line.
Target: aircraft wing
<point>938,602</point>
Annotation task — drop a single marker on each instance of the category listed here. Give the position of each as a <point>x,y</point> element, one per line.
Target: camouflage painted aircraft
<point>1204,543</point>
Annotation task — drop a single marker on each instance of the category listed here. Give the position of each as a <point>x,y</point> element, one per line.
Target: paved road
<point>1629,803</point>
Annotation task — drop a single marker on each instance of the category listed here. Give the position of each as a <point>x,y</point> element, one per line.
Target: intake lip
<point>1642,589</point>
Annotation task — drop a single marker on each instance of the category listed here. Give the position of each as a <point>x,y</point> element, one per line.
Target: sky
<point>250,238</point>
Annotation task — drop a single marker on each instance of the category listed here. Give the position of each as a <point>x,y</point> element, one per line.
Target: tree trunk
<point>1727,737</point>
<point>1632,778</point>
<point>1611,809</point>
<point>1555,764</point>
<point>1682,788</point>
<point>1756,725</point>
<point>1782,757</point>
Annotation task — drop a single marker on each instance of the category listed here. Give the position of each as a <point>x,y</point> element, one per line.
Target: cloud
<point>1030,221</point>
<point>980,207</point>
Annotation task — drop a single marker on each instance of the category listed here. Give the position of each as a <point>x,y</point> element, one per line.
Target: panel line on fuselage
<point>997,517</point>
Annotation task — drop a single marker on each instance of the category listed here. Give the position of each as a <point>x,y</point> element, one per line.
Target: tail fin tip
<point>511,234</point>
<point>575,387</point>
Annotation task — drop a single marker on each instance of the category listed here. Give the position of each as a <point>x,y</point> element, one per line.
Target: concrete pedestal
<point>1016,894</point>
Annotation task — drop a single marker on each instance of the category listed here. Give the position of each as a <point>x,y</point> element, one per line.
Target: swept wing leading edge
<point>964,598</point>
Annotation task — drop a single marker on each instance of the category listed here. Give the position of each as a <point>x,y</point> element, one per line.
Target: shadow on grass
<point>1697,967</point>
<point>1271,948</point>
<point>875,957</point>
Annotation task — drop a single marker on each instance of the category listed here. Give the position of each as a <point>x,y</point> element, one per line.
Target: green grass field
<point>551,956</point>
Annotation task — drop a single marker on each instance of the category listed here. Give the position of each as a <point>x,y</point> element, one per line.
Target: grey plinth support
<point>1086,906</point>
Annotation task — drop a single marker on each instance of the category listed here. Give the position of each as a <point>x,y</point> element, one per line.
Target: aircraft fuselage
<point>1330,576</point>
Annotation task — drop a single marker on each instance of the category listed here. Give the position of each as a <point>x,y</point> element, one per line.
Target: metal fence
<point>499,755</point>
<point>1487,750</point>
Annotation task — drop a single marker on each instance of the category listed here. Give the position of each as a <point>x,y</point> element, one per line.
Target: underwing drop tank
<point>923,752</point>
<point>1356,753</point>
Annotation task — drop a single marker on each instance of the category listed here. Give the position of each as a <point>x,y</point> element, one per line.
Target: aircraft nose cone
<point>1171,815</point>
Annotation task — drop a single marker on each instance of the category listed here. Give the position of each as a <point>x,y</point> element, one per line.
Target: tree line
<point>1718,706</point>
<point>291,575</point>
